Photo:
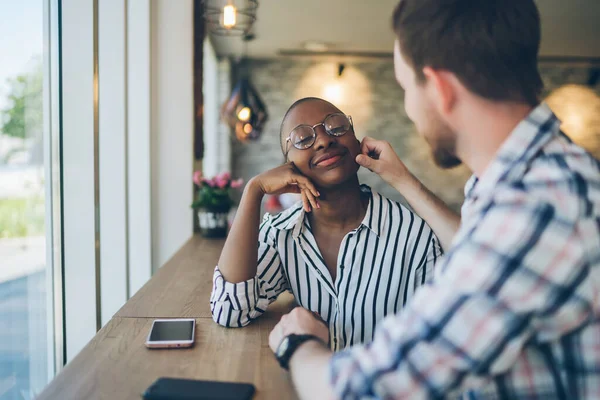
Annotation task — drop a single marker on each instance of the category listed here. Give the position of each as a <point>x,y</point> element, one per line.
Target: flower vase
<point>213,224</point>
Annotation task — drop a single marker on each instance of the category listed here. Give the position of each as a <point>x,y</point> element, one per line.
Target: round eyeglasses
<point>303,137</point>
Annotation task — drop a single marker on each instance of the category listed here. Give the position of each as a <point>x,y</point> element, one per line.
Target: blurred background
<point>109,107</point>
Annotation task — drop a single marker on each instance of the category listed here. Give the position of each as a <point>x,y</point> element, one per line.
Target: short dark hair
<point>492,46</point>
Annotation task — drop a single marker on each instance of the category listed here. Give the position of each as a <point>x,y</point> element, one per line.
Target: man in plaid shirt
<point>514,309</point>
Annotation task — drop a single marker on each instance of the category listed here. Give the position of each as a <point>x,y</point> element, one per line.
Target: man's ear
<point>441,84</point>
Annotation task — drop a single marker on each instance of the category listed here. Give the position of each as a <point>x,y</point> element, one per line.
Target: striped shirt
<point>380,265</point>
<point>514,308</point>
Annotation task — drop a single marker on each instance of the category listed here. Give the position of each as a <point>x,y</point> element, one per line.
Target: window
<point>75,170</point>
<point>29,170</point>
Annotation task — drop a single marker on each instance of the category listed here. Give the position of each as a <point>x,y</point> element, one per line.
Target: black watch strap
<point>288,347</point>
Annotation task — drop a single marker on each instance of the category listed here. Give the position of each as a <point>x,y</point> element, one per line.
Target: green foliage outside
<point>23,117</point>
<point>21,217</point>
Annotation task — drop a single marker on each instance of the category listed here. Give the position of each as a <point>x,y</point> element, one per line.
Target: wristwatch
<point>289,345</point>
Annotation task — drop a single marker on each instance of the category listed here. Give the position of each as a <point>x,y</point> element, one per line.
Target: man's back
<point>559,182</point>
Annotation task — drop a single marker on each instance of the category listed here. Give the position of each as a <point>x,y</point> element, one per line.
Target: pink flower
<point>238,183</point>
<point>220,182</point>
<point>209,182</point>
<point>226,176</point>
<point>198,178</point>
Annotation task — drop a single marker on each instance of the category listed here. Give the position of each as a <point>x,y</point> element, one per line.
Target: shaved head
<point>296,104</point>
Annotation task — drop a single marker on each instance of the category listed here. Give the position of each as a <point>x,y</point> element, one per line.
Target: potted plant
<point>213,202</point>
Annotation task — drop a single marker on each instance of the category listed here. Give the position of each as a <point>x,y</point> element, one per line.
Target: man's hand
<point>309,364</point>
<point>379,157</point>
<point>300,322</point>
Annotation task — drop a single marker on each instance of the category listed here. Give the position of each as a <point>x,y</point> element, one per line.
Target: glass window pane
<point>25,277</point>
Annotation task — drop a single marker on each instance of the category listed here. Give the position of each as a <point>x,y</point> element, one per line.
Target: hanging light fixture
<point>245,112</point>
<point>230,17</point>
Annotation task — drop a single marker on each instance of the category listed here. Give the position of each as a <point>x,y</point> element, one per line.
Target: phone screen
<point>187,389</point>
<point>172,331</point>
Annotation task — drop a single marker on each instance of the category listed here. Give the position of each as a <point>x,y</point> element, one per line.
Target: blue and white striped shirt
<point>380,265</point>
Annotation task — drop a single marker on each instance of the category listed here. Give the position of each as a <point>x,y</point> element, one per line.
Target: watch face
<point>285,343</point>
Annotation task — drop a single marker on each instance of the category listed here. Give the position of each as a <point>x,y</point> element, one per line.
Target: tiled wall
<point>367,91</point>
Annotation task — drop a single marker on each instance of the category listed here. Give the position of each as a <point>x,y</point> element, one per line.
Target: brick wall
<point>367,90</point>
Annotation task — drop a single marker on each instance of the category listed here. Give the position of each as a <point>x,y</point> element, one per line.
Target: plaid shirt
<point>514,309</point>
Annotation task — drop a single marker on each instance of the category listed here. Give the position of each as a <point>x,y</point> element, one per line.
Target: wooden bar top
<point>117,365</point>
<point>181,288</point>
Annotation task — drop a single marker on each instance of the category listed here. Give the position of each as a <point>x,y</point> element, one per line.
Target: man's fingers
<point>369,144</point>
<point>367,139</point>
<point>367,162</point>
<point>276,336</point>
<point>374,148</point>
<point>318,318</point>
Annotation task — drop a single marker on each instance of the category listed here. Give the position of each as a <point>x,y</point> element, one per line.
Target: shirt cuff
<point>242,295</point>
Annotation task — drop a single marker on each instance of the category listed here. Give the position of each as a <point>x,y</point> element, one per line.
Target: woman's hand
<point>288,179</point>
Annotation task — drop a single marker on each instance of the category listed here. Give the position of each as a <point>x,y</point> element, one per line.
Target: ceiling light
<point>244,114</point>
<point>577,107</point>
<point>229,16</point>
<point>245,111</point>
<point>333,92</point>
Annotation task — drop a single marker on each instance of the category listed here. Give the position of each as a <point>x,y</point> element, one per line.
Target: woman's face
<point>331,159</point>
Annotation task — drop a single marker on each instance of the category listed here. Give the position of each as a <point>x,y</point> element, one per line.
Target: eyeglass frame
<point>322,123</point>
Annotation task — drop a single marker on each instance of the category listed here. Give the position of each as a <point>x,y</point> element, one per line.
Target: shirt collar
<point>377,210</point>
<point>288,219</point>
<point>470,185</point>
<point>513,157</point>
<point>375,218</point>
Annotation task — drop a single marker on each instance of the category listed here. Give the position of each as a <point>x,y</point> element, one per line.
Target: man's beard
<point>443,153</point>
<point>442,141</point>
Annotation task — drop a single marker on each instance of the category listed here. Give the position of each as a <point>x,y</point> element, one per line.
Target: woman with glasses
<point>345,252</point>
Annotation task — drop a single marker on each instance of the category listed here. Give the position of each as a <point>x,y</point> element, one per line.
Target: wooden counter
<point>181,288</point>
<point>117,365</point>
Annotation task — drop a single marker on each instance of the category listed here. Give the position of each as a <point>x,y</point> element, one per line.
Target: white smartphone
<point>171,333</point>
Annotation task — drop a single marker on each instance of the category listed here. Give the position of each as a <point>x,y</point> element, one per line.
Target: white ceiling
<point>569,27</point>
